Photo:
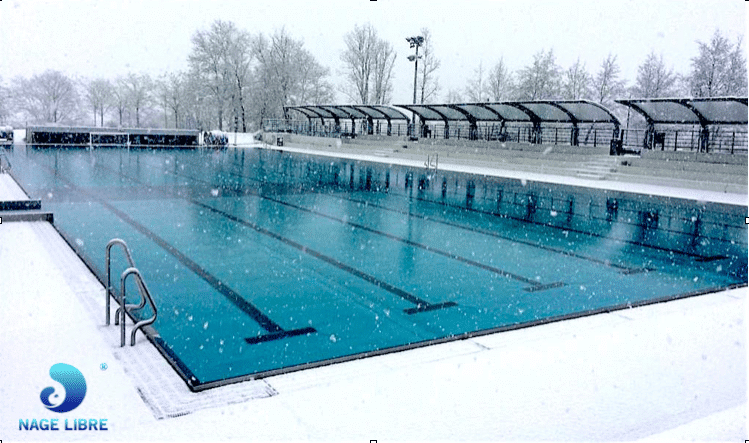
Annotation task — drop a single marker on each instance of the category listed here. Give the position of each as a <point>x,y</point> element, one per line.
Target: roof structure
<point>349,111</point>
<point>537,111</point>
<point>698,111</point>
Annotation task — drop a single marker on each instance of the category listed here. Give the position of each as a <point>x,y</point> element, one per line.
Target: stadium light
<point>415,42</point>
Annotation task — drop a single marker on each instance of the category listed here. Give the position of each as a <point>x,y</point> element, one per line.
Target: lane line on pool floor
<point>627,270</point>
<point>274,329</point>
<point>624,269</point>
<point>421,305</point>
<point>535,286</point>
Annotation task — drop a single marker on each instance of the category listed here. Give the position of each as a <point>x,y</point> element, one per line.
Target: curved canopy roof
<point>701,111</point>
<point>542,111</point>
<point>349,111</point>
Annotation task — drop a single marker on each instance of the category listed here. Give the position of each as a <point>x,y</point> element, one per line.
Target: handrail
<point>146,294</point>
<point>115,241</point>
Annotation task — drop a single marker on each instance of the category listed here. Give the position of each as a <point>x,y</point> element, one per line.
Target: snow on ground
<point>674,370</point>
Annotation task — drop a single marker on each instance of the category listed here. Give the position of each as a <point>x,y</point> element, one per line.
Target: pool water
<point>264,261</point>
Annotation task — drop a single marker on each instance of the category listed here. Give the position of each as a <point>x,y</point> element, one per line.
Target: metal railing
<point>719,141</point>
<point>124,308</point>
<point>726,139</point>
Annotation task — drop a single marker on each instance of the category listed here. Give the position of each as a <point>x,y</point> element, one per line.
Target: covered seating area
<point>539,121</point>
<point>573,122</point>
<point>710,125</point>
<point>333,120</point>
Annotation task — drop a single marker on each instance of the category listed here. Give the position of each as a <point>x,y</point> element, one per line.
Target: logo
<point>74,384</point>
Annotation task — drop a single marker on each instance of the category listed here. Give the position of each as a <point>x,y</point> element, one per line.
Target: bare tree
<point>368,64</point>
<point>50,97</point>
<point>138,89</point>
<point>719,69</point>
<point>161,94</point>
<point>607,85</point>
<point>239,59</point>
<point>194,109</point>
<point>382,81</point>
<point>313,88</point>
<point>577,82</point>
<point>357,59</point>
<point>208,61</point>
<point>120,99</point>
<point>654,79</point>
<point>476,90</point>
<point>453,96</point>
<point>98,95</point>
<point>541,79</point>
<point>500,86</point>
<point>176,96</point>
<point>428,82</point>
<point>286,74</point>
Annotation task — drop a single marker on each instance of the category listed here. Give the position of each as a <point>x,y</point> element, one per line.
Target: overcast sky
<point>109,38</point>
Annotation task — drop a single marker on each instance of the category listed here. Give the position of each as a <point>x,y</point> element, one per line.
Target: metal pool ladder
<point>145,294</point>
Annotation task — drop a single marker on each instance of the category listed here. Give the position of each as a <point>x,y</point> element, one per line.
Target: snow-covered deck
<point>675,370</point>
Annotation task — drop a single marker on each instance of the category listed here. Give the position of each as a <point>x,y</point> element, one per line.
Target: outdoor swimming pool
<point>264,261</point>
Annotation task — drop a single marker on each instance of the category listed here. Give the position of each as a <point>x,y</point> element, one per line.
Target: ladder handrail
<point>131,262</point>
<point>146,293</point>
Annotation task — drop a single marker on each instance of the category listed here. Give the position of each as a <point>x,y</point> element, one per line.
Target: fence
<point>723,140</point>
<point>729,140</point>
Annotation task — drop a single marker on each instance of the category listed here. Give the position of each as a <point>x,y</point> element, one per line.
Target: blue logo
<point>75,388</point>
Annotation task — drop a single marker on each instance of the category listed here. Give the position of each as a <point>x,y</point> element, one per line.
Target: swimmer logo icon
<point>75,388</point>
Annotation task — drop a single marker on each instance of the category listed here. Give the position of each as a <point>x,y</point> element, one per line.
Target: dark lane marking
<point>709,259</point>
<point>545,287</point>
<point>276,335</point>
<point>420,304</point>
<point>235,298</point>
<point>447,254</point>
<point>20,205</point>
<point>264,321</point>
<point>636,271</point>
<point>536,285</point>
<point>624,269</point>
<point>428,308</point>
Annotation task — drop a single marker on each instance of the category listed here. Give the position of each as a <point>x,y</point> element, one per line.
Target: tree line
<point>233,81</point>
<point>718,70</point>
<point>236,79</point>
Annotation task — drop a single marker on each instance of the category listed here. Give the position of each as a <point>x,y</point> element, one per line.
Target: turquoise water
<point>261,261</point>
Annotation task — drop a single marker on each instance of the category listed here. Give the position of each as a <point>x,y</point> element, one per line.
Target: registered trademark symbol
<point>103,366</point>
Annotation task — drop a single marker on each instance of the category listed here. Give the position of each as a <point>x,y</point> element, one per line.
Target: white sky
<point>95,38</point>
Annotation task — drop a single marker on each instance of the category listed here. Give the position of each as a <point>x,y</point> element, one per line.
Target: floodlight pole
<point>416,70</point>
<point>415,41</point>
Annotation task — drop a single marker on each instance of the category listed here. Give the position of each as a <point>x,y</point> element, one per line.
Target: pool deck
<point>670,371</point>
